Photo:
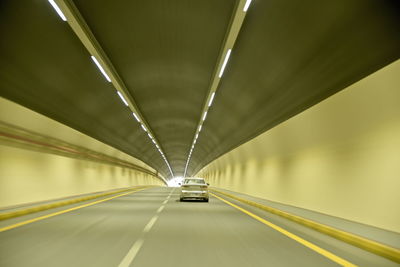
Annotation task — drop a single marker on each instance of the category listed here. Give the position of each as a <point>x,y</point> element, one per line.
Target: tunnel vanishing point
<point>290,111</point>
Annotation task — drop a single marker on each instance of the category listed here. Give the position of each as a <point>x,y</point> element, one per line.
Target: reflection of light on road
<point>174,182</point>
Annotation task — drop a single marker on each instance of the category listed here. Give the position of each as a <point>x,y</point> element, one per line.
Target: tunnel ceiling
<point>288,56</point>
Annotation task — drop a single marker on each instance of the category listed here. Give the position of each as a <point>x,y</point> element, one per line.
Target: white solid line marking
<point>160,209</point>
<point>150,224</point>
<point>131,253</point>
<point>165,201</point>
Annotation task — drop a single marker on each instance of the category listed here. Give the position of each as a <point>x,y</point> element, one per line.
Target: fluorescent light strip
<point>211,99</point>
<point>144,128</point>
<point>123,98</point>
<point>201,126</point>
<point>151,137</point>
<point>246,6</point>
<point>101,69</point>
<point>225,61</point>
<point>197,135</point>
<point>204,116</point>
<point>58,10</point>
<point>136,117</point>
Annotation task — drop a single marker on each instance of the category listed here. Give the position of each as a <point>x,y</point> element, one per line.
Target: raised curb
<point>355,240</point>
<point>17,213</point>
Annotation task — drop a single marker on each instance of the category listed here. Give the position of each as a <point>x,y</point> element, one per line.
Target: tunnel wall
<point>30,175</point>
<point>340,157</point>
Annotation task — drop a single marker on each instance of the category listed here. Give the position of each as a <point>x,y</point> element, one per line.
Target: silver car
<point>194,188</point>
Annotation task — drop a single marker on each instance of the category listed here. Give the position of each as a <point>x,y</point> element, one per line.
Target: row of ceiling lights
<point>221,72</point>
<point>136,116</point>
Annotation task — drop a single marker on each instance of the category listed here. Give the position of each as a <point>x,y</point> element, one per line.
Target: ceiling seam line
<point>230,38</point>
<point>87,38</point>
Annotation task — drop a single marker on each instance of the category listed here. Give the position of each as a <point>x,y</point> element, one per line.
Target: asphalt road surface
<point>152,228</point>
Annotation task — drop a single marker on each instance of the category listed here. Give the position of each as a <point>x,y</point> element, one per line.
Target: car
<point>194,188</point>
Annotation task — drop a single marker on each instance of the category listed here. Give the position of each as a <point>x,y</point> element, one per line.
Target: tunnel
<point>289,110</point>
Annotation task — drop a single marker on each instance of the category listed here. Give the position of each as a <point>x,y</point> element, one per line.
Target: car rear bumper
<point>186,194</point>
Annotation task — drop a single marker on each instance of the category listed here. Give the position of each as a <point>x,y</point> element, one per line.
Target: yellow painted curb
<point>355,240</point>
<point>13,214</point>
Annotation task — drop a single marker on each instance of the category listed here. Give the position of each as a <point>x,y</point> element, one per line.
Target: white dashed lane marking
<point>160,209</point>
<point>131,253</point>
<point>150,224</point>
<point>130,256</point>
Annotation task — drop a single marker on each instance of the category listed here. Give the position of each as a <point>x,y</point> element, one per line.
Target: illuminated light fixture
<point>144,128</point>
<point>204,116</point>
<point>197,135</point>
<point>195,140</point>
<point>211,99</point>
<point>225,61</point>
<point>136,117</point>
<point>101,68</point>
<point>246,6</point>
<point>201,125</point>
<point>58,10</point>
<point>123,98</point>
<point>151,137</point>
<point>153,141</point>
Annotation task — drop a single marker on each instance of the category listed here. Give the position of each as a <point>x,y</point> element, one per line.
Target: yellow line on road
<point>302,241</point>
<point>12,226</point>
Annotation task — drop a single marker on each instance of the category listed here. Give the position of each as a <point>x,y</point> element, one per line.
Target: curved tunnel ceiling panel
<point>45,67</point>
<point>165,51</point>
<point>289,55</point>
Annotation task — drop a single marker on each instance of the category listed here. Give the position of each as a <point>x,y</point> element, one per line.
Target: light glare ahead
<point>58,10</point>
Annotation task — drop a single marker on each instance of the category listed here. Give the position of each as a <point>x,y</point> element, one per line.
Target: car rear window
<point>194,181</point>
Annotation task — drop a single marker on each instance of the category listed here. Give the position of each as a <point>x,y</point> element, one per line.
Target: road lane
<point>152,228</point>
<point>93,236</point>
<point>214,234</point>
